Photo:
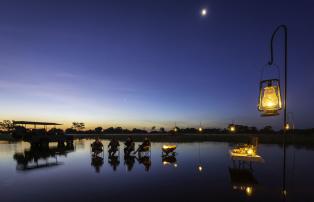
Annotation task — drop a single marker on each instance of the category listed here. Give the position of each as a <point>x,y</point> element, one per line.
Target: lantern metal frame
<point>263,84</point>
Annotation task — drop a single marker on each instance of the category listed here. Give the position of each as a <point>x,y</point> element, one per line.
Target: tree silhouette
<point>6,125</point>
<point>267,129</point>
<point>78,126</point>
<point>98,130</point>
<point>162,130</point>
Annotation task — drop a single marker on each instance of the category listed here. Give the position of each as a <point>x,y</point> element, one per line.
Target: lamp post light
<point>231,128</point>
<point>270,97</point>
<point>200,129</point>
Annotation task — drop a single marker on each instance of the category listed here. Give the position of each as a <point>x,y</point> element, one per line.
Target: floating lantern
<point>269,98</point>
<point>168,148</point>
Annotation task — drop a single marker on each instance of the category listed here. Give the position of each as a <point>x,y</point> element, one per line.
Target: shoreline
<point>291,139</point>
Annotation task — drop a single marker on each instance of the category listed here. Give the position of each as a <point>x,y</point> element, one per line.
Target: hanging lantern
<point>269,98</point>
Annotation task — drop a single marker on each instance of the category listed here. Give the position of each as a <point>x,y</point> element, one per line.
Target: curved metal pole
<point>285,29</point>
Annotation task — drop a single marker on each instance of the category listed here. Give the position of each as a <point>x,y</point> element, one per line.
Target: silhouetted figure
<point>97,162</point>
<point>97,146</point>
<point>129,146</point>
<point>144,147</point>
<point>114,161</point>
<point>113,147</point>
<point>129,161</point>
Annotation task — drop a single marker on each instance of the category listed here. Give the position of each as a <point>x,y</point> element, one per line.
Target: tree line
<point>7,126</point>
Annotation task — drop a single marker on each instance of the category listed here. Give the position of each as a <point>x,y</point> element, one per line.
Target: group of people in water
<point>113,146</point>
<point>129,153</point>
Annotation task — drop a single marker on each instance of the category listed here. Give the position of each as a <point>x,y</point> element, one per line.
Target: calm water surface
<point>70,174</point>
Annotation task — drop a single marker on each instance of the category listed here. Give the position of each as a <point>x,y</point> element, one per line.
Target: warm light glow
<point>232,129</point>
<point>287,127</point>
<point>175,129</point>
<point>270,99</point>
<point>204,12</point>
<point>169,146</point>
<point>200,168</point>
<point>165,163</point>
<point>175,165</point>
<point>200,129</point>
<point>250,151</point>
<point>249,191</point>
<point>245,150</point>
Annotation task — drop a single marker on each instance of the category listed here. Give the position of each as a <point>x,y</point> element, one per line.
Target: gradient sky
<point>144,63</point>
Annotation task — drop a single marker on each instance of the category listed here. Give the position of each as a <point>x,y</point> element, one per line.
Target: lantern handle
<point>270,66</point>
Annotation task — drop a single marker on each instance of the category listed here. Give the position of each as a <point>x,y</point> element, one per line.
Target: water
<point>72,176</point>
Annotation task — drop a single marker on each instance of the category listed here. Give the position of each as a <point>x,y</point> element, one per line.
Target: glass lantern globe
<point>269,102</point>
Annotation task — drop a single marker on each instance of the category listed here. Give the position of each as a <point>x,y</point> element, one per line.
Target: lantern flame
<point>270,99</point>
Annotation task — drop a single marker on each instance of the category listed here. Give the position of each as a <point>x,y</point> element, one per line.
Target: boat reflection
<point>242,178</point>
<point>169,160</point>
<point>39,157</point>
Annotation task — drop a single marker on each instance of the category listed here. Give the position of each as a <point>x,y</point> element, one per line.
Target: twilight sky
<point>144,63</point>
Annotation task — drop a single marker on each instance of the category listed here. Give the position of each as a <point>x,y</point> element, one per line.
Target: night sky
<point>145,63</point>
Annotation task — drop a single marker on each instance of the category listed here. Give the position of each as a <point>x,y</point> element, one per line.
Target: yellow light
<point>232,129</point>
<point>204,12</point>
<point>169,146</point>
<point>165,163</point>
<point>175,129</point>
<point>250,151</point>
<point>249,191</point>
<point>270,99</point>
<point>200,129</point>
<point>200,168</point>
<point>287,127</point>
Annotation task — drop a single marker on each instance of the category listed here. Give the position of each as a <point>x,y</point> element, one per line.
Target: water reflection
<point>39,157</point>
<point>169,160</point>
<point>145,161</point>
<point>219,180</point>
<point>97,162</point>
<point>114,161</point>
<point>242,178</point>
<point>129,161</point>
